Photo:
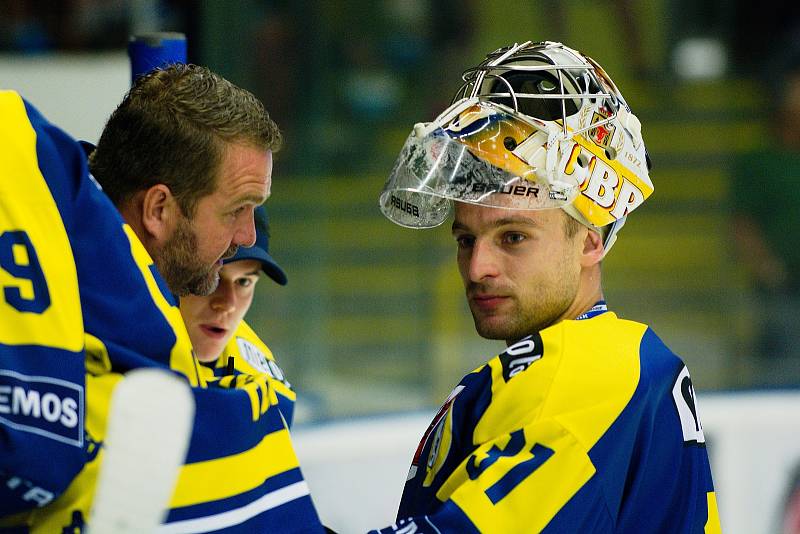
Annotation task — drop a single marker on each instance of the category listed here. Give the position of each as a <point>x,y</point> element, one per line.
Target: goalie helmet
<point>534,126</point>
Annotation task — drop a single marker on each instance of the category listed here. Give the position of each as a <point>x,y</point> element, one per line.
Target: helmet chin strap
<point>611,237</point>
<point>608,232</point>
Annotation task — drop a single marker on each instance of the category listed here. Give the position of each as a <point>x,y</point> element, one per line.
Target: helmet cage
<point>577,78</point>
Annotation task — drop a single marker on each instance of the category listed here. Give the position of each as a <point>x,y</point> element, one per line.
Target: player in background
<point>222,340</point>
<point>587,422</point>
<point>186,158</point>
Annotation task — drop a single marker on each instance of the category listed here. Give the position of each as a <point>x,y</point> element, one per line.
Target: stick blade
<point>149,428</point>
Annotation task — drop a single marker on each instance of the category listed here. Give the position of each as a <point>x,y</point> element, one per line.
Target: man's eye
<point>465,241</point>
<point>244,282</point>
<point>512,238</point>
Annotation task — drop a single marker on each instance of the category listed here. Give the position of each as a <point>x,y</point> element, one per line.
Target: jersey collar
<point>599,307</point>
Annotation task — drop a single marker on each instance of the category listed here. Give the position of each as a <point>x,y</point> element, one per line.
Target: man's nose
<point>245,235</point>
<point>223,299</point>
<point>483,261</point>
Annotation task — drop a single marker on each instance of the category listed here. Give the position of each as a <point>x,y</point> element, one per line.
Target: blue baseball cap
<point>260,251</point>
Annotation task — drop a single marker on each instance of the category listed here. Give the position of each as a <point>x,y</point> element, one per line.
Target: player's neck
<point>590,291</point>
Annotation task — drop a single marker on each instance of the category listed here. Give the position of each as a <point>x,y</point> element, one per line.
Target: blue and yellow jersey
<point>251,356</point>
<point>41,327</point>
<point>241,472</point>
<point>589,426</point>
<point>81,304</point>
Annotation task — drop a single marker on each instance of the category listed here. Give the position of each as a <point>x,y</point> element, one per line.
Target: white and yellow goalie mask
<point>535,126</point>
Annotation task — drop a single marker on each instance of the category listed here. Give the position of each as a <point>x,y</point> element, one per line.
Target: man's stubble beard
<point>179,263</point>
<point>518,322</point>
<point>553,299</point>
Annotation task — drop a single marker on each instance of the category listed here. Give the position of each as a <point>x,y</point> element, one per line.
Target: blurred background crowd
<point>373,319</point>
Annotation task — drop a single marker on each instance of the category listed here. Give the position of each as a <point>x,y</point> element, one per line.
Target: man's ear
<point>593,250</point>
<point>160,212</point>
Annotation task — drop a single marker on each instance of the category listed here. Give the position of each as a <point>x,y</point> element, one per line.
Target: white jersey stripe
<point>240,515</point>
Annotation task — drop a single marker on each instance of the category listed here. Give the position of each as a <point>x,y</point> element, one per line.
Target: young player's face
<point>520,270</point>
<point>223,221</point>
<point>212,320</point>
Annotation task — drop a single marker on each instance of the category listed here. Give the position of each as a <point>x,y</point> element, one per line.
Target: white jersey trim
<point>240,515</point>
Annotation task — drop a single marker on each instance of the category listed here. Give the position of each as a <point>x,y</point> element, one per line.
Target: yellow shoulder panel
<point>584,380</point>
<point>598,374</point>
<point>36,264</point>
<point>182,356</point>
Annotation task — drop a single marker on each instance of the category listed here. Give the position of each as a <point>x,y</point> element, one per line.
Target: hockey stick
<point>149,427</point>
